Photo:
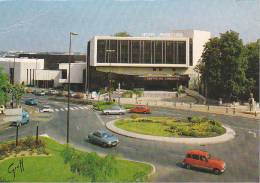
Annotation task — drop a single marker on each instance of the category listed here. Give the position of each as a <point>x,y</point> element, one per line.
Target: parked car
<point>53,92</point>
<point>25,119</point>
<point>141,109</point>
<point>41,93</point>
<point>202,159</point>
<point>114,110</point>
<point>46,108</point>
<point>2,108</point>
<point>28,90</point>
<point>103,138</point>
<point>31,101</point>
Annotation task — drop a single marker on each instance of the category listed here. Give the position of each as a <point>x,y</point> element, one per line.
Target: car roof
<point>102,131</point>
<point>198,152</point>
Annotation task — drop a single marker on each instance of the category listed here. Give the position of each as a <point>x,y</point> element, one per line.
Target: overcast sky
<point>44,25</point>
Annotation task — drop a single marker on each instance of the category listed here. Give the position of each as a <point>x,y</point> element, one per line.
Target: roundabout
<point>228,134</point>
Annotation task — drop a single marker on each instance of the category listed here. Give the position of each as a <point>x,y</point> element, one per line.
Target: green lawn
<point>106,105</point>
<point>170,127</point>
<point>53,169</point>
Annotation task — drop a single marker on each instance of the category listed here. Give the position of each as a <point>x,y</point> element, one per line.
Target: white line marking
<point>66,108</point>
<point>100,119</point>
<point>81,107</point>
<point>76,108</point>
<point>72,108</point>
<point>57,110</point>
<point>61,109</point>
<point>86,107</point>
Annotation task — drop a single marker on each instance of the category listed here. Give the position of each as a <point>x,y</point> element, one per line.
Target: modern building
<point>152,63</point>
<point>29,72</point>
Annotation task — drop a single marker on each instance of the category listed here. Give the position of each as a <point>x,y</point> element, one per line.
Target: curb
<point>229,135</point>
<point>104,154</point>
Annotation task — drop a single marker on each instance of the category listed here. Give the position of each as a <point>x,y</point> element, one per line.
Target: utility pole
<point>68,112</point>
<point>109,75</point>
<point>119,93</point>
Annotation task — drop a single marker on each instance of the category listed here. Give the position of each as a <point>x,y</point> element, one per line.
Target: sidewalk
<point>242,111</point>
<point>229,135</point>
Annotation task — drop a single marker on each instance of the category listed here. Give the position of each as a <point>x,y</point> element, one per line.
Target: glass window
<point>136,51</point>
<point>195,156</point>
<point>101,47</point>
<point>147,52</point>
<point>182,52</point>
<point>113,55</point>
<point>124,51</point>
<point>158,52</point>
<point>64,74</point>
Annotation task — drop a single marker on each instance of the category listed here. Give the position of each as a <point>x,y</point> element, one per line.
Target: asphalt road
<point>240,154</point>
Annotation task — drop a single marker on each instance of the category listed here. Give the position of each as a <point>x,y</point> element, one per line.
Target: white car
<point>114,110</point>
<point>53,92</point>
<point>46,108</point>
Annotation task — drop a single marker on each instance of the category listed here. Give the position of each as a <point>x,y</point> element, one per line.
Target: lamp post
<point>109,75</point>
<point>68,112</point>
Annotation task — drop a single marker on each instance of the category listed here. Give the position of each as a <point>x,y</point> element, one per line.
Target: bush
<point>90,165</point>
<point>127,94</point>
<point>134,116</point>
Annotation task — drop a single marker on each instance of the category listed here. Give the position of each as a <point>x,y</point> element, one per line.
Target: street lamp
<point>68,112</point>
<point>109,76</point>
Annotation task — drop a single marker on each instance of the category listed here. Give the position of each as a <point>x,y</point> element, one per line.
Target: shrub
<point>127,94</point>
<point>134,116</point>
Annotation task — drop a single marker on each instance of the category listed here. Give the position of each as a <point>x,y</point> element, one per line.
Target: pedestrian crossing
<point>72,108</point>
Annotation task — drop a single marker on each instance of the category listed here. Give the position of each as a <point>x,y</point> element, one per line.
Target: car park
<point>140,109</point>
<point>103,138</point>
<point>46,108</point>
<point>114,110</point>
<point>31,101</point>
<point>202,159</point>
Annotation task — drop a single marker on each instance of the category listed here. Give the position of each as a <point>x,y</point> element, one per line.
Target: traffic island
<point>167,129</point>
<point>62,163</point>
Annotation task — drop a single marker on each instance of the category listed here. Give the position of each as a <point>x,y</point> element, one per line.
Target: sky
<point>44,25</point>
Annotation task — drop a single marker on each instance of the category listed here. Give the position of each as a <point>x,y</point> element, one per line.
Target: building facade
<point>152,63</point>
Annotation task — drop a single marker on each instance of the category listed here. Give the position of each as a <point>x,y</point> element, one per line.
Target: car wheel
<point>216,171</point>
<point>104,144</point>
<point>187,166</point>
<point>107,113</point>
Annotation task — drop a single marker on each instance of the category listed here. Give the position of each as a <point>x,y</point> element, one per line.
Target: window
<point>64,74</point>
<point>195,156</point>
<point>203,158</point>
<point>136,51</point>
<point>11,75</point>
<point>97,134</point>
<point>158,52</point>
<point>124,51</point>
<point>188,156</point>
<point>181,52</point>
<point>191,53</point>
<point>147,52</point>
<point>101,53</point>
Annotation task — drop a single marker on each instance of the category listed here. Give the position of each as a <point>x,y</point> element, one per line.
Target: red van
<point>202,159</point>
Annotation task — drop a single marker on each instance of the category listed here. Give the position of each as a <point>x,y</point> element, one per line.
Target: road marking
<point>254,134</point>
<point>86,107</point>
<point>81,107</point>
<point>76,108</point>
<point>61,109</point>
<point>57,110</point>
<point>66,108</point>
<point>72,108</point>
<point>100,119</point>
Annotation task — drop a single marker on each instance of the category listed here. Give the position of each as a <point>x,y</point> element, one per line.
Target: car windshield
<point>115,108</point>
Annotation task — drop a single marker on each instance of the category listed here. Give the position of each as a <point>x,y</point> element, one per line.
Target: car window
<point>115,108</point>
<point>195,156</point>
<point>188,156</point>
<point>106,135</point>
<point>203,158</point>
<point>97,134</point>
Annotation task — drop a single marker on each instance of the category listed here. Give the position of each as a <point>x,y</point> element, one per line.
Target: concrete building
<point>152,63</point>
<point>30,72</point>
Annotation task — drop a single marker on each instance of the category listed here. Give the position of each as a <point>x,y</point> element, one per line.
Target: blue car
<point>25,119</point>
<point>31,101</point>
<point>103,138</point>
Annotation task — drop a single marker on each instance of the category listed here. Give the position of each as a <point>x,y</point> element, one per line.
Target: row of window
<point>196,157</point>
<point>141,51</point>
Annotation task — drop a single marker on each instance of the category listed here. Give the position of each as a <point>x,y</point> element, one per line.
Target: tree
<point>18,92</point>
<point>122,34</point>
<point>138,93</point>
<point>4,85</point>
<point>253,59</point>
<point>223,68</point>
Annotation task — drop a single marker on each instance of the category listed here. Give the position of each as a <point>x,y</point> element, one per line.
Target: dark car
<point>31,101</point>
<point>103,138</point>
